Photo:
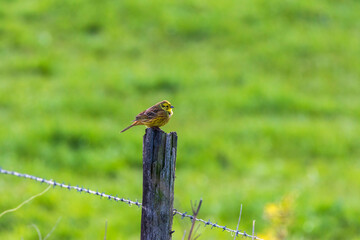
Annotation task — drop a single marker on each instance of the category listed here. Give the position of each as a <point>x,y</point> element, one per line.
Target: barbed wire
<point>69,187</point>
<point>215,225</point>
<point>128,201</point>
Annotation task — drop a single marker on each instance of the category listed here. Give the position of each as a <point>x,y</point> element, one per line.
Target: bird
<point>154,117</point>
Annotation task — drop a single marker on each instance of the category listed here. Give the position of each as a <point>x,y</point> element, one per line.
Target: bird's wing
<point>149,113</point>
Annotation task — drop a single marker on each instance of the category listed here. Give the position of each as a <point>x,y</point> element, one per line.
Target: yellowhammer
<point>155,116</point>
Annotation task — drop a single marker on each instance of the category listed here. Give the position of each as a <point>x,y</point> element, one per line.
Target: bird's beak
<point>172,107</point>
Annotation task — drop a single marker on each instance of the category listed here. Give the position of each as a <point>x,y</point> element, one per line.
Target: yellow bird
<point>155,116</point>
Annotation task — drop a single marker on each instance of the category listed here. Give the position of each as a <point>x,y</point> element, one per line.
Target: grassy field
<point>267,110</point>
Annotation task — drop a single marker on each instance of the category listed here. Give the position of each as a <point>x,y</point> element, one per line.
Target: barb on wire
<point>128,201</point>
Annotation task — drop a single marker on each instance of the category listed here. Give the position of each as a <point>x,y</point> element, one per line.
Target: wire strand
<point>128,201</point>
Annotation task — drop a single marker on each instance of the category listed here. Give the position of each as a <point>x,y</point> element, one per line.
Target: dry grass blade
<point>196,237</point>
<point>37,230</point>
<point>237,227</point>
<point>53,229</point>
<point>253,230</point>
<point>14,209</point>
<point>105,230</point>
<point>184,235</point>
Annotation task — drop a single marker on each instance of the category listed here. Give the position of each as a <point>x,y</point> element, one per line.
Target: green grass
<point>267,105</point>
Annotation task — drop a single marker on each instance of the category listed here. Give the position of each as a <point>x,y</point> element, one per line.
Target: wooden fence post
<point>159,158</point>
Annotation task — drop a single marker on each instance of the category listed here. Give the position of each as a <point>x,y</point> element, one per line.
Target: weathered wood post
<point>159,158</point>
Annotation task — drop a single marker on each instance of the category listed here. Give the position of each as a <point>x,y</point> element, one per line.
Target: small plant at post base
<point>195,209</point>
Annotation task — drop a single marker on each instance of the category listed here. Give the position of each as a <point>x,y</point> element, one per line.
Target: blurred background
<point>267,111</point>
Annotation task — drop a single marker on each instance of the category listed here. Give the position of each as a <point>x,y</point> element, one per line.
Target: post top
<point>154,130</point>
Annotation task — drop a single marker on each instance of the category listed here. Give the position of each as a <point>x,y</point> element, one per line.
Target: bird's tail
<point>132,125</point>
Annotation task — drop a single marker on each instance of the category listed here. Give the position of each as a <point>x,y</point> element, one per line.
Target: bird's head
<point>166,105</point>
